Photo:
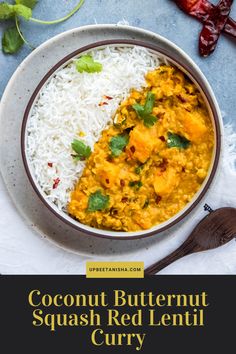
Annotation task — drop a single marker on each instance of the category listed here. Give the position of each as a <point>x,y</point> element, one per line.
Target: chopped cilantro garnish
<point>118,143</point>
<point>82,151</point>
<point>144,112</point>
<point>138,169</point>
<point>146,204</point>
<point>175,140</point>
<point>98,201</point>
<point>136,184</point>
<point>87,64</point>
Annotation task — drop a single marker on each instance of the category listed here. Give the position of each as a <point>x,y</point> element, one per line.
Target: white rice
<point>69,104</point>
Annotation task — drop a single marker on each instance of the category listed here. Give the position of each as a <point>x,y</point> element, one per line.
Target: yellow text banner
<point>114,269</point>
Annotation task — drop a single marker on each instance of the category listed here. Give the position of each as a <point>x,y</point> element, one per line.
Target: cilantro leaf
<point>150,101</point>
<point>82,151</point>
<point>139,169</point>
<point>118,143</point>
<point>11,41</point>
<point>175,140</point>
<point>23,11</point>
<point>86,63</point>
<point>98,201</point>
<point>150,120</point>
<point>6,11</point>
<point>146,204</point>
<point>144,112</point>
<point>29,3</point>
<point>136,184</point>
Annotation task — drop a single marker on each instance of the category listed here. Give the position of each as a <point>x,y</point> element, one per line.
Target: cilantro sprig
<point>82,151</point>
<point>118,143</point>
<point>13,38</point>
<point>145,112</point>
<point>97,201</point>
<point>178,141</point>
<point>86,63</point>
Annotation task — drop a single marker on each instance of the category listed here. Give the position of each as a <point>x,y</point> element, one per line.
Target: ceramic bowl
<point>174,55</point>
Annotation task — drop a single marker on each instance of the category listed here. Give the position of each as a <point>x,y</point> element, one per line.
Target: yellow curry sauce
<point>162,163</point>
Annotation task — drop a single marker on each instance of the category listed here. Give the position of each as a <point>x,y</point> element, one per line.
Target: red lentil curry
<point>151,162</point>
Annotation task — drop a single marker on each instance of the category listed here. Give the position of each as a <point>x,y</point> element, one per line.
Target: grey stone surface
<point>160,16</point>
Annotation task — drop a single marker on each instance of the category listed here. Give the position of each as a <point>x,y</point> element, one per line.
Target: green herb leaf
<point>6,11</point>
<point>98,201</point>
<point>136,184</point>
<point>29,3</point>
<point>11,41</point>
<point>118,143</point>
<point>82,151</point>
<point>150,101</point>
<point>149,121</point>
<point>146,204</point>
<point>175,140</point>
<point>144,112</point>
<point>86,63</point>
<point>23,11</point>
<point>138,169</point>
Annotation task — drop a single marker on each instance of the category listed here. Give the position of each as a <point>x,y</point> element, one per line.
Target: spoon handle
<point>188,247</point>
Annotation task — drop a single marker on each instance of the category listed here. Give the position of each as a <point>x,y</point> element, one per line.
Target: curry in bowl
<point>151,161</point>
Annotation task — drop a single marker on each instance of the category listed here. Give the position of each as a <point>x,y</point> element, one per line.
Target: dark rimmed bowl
<point>174,55</point>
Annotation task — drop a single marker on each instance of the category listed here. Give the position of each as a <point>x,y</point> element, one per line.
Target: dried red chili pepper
<point>200,9</point>
<point>50,164</point>
<point>213,27</point>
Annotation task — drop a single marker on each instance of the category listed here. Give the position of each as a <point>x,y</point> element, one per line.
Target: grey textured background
<point>160,16</point>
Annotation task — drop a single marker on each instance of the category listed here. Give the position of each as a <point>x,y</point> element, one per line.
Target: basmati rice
<point>68,108</point>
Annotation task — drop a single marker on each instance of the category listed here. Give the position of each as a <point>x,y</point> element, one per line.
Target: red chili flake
<point>113,211</point>
<point>163,165</point>
<point>107,181</point>
<point>132,149</point>
<point>162,138</point>
<point>108,97</point>
<point>124,200</point>
<point>56,182</point>
<point>103,104</point>
<point>187,109</point>
<point>181,98</point>
<point>50,164</point>
<point>160,116</point>
<point>158,199</point>
<point>122,183</point>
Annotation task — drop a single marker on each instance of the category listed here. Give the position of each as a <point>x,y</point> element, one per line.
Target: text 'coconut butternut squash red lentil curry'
<point>151,162</point>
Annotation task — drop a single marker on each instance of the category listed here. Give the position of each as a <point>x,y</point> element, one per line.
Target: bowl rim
<point>215,114</point>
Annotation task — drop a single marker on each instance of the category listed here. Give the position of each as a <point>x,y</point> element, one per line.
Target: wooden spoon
<point>216,229</point>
